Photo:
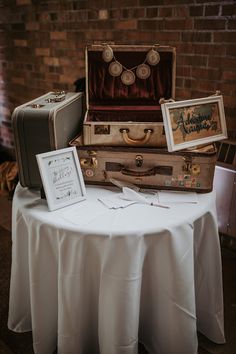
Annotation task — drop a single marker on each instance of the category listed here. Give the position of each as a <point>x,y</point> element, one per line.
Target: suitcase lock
<point>187,164</point>
<point>35,105</point>
<point>189,167</point>
<point>91,161</point>
<point>139,161</point>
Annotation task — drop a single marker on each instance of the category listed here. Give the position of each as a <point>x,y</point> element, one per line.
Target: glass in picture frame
<point>62,177</point>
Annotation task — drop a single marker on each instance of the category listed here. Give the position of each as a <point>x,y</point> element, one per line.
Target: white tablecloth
<point>87,279</point>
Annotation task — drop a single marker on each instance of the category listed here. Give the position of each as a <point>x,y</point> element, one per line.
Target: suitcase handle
<point>136,142</point>
<point>158,170</point>
<point>58,96</point>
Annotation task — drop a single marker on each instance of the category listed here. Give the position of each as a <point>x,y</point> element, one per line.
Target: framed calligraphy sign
<point>61,177</point>
<point>194,122</point>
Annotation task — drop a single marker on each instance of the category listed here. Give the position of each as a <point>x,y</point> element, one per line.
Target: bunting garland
<point>128,76</point>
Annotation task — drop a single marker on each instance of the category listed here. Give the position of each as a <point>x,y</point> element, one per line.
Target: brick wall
<point>42,45</point>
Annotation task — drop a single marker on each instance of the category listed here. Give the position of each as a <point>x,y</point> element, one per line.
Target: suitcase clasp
<point>139,161</point>
<point>91,161</point>
<point>187,167</point>
<point>35,105</point>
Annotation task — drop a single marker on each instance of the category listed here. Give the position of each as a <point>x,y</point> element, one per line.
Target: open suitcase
<point>123,87</point>
<point>148,167</point>
<point>46,123</point>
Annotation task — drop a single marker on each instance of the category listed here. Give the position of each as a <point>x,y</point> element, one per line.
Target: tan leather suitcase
<point>46,123</point>
<point>148,167</point>
<point>124,84</point>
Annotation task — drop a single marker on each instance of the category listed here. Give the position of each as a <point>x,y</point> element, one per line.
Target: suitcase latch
<point>190,168</point>
<point>187,167</point>
<point>139,161</point>
<point>35,105</point>
<point>91,161</point>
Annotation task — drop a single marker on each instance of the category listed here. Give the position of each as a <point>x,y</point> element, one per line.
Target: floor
<point>5,212</point>
<point>229,280</point>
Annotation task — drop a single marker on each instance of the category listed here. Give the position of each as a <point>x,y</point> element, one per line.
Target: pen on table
<point>160,205</point>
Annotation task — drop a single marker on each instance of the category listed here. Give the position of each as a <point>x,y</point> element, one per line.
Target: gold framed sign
<point>194,122</point>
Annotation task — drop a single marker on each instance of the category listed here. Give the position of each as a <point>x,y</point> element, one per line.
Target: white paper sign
<point>61,177</point>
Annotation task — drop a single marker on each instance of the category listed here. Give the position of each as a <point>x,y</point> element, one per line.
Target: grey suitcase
<point>47,123</point>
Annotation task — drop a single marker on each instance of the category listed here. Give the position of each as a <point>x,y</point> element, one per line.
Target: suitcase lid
<point>52,100</point>
<point>129,77</point>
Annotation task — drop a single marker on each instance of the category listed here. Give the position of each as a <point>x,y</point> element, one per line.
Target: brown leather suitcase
<point>148,167</point>
<point>46,123</point>
<point>123,87</point>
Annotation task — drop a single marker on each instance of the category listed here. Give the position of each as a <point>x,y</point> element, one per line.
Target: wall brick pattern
<point>42,46</point>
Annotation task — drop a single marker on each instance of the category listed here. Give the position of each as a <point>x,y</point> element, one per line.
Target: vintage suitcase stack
<point>123,133</point>
<point>44,124</point>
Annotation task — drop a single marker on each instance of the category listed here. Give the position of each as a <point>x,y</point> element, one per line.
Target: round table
<point>88,279</point>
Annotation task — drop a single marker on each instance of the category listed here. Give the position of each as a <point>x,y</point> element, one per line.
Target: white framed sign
<point>62,178</point>
<point>194,122</point>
